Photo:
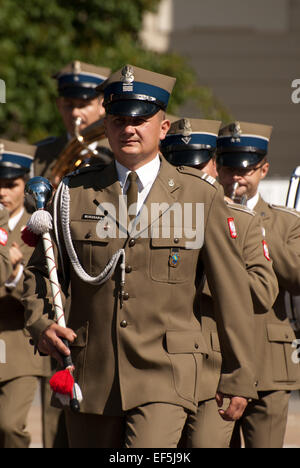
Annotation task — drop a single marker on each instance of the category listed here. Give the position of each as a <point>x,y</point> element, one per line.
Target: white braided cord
<point>63,196</point>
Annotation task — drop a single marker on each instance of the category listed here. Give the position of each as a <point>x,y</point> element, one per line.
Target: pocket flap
<point>86,231</point>
<point>280,333</point>
<point>215,343</point>
<point>82,337</point>
<point>183,238</point>
<point>181,342</point>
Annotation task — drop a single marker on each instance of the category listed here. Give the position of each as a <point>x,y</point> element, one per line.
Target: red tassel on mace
<point>29,237</point>
<point>62,382</point>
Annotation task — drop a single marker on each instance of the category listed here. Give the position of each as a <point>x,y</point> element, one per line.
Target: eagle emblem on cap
<point>185,126</point>
<point>127,75</point>
<point>236,132</point>
<point>127,78</point>
<point>76,67</point>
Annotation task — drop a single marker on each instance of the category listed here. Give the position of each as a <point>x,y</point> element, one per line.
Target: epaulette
<point>285,209</point>
<point>46,141</point>
<point>85,169</point>
<point>196,173</point>
<point>243,208</point>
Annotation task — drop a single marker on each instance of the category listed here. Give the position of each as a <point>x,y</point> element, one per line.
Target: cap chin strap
<point>62,198</point>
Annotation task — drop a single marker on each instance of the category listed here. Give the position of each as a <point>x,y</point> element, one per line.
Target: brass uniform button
<point>128,269</point>
<point>123,324</point>
<point>132,242</point>
<point>125,296</point>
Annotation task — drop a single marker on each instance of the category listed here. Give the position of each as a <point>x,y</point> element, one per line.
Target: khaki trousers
<point>264,421</point>
<point>207,429</point>
<point>156,425</point>
<point>16,398</point>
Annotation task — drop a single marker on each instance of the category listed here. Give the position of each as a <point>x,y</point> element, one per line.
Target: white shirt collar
<point>146,173</point>
<point>12,222</point>
<point>252,202</point>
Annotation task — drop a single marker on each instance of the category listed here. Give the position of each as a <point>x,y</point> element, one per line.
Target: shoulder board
<point>196,173</point>
<point>285,209</point>
<point>243,208</point>
<point>86,169</point>
<point>46,141</point>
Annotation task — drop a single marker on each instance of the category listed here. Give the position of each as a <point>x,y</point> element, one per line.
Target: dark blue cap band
<point>20,160</point>
<point>79,79</point>
<point>228,142</point>
<point>121,89</point>
<point>194,139</point>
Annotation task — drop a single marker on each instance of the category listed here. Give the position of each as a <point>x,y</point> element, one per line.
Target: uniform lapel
<point>111,195</point>
<point>262,209</point>
<point>162,196</point>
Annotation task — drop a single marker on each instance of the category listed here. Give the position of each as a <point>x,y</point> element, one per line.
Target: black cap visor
<point>188,157</point>
<point>78,92</point>
<point>239,159</point>
<point>132,108</point>
<point>7,172</point>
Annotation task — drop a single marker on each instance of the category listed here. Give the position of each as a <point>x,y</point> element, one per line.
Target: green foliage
<point>39,37</point>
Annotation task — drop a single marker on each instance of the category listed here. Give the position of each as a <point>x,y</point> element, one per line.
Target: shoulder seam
<point>285,209</point>
<point>241,208</point>
<point>199,174</point>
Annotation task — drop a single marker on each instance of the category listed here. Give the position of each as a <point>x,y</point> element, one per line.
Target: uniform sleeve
<point>37,296</point>
<point>259,266</point>
<point>5,264</point>
<point>228,281</point>
<point>284,242</point>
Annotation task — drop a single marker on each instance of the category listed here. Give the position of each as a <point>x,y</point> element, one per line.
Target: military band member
<point>5,265</point>
<point>242,159</point>
<point>78,97</point>
<point>192,142</point>
<point>19,374</point>
<point>136,344</point>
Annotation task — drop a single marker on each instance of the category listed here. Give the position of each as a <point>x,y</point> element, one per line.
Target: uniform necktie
<point>132,192</point>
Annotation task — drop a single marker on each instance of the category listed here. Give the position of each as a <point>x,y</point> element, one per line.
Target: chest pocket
<point>93,252</point>
<point>173,259</point>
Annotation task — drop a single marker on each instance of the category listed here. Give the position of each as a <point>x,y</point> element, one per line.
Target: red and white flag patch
<point>3,237</point>
<point>232,228</point>
<point>266,250</point>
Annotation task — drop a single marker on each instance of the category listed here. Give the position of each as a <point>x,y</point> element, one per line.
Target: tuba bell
<point>78,153</point>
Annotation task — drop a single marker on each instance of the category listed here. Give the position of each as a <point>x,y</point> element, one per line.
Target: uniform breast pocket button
<point>125,296</point>
<point>123,324</point>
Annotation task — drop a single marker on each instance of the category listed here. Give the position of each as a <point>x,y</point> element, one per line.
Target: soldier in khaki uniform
<point>5,265</point>
<point>78,98</point>
<point>135,341</point>
<point>193,142</point>
<point>242,152</point>
<point>19,374</point>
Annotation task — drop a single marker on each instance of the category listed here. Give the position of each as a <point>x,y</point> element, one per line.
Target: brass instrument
<point>292,303</point>
<point>242,200</point>
<point>77,150</point>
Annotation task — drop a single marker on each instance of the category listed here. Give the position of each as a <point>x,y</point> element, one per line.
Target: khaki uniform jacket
<point>274,335</point>
<point>151,348</point>
<point>264,290</point>
<point>20,358</point>
<point>5,265</point>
